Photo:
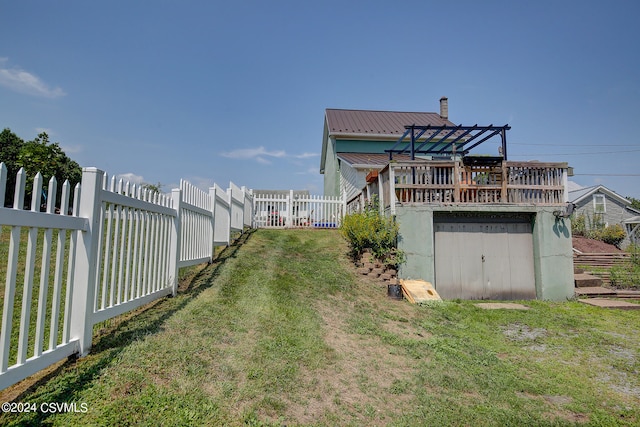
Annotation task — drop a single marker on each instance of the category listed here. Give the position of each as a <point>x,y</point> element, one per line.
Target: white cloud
<point>71,149</point>
<point>26,82</point>
<point>131,178</point>
<point>261,154</point>
<point>258,154</point>
<point>305,155</point>
<point>200,182</point>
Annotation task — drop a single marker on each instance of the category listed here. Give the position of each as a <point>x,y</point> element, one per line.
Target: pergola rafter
<point>439,142</point>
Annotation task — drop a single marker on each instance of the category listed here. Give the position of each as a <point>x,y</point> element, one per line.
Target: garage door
<point>483,258</point>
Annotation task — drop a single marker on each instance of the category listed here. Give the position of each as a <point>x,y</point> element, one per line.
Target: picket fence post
<point>344,210</point>
<point>176,240</point>
<point>86,259</point>
<point>290,209</point>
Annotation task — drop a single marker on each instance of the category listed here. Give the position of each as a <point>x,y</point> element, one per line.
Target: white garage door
<point>484,260</point>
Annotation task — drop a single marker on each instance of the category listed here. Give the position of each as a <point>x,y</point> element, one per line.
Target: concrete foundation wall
<point>552,245</point>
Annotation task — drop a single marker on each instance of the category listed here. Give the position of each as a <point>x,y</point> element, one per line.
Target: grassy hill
<point>280,330</point>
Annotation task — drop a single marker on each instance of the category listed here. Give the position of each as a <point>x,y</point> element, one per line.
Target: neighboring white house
<point>610,207</point>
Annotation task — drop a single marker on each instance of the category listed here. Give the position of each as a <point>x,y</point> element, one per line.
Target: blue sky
<point>213,91</point>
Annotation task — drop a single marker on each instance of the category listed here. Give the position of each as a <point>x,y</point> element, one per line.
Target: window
<point>599,205</point>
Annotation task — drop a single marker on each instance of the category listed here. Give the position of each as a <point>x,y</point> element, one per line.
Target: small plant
<point>611,234</point>
<point>594,228</point>
<point>370,229</point>
<point>578,225</point>
<point>627,275</point>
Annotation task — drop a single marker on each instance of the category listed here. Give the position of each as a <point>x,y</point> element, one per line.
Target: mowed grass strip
<point>281,331</point>
<point>226,355</point>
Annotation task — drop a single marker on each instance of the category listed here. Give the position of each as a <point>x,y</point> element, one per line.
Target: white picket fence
<point>300,211</point>
<point>118,247</point>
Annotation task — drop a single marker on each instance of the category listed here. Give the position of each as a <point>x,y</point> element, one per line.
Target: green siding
<point>331,171</point>
<point>552,245</point>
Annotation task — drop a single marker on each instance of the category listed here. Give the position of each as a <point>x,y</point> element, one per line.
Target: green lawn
<point>280,330</point>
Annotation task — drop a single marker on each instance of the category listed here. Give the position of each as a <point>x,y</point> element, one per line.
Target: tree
<point>36,156</point>
<point>154,188</point>
<point>10,146</point>
<point>635,203</point>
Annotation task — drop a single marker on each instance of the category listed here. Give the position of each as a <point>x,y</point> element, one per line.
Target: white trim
<point>602,189</point>
<point>595,203</point>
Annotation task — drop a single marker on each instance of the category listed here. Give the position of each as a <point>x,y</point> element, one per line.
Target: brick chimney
<point>444,107</point>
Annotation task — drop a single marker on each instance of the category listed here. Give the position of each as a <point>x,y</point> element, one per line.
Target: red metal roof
<point>379,123</point>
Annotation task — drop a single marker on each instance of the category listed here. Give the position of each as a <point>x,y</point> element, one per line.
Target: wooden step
<point>609,303</point>
<point>596,291</point>
<point>584,280</point>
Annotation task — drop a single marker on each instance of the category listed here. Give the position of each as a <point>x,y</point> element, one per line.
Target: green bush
<point>594,228</point>
<point>369,229</point>
<point>612,234</point>
<point>578,225</point>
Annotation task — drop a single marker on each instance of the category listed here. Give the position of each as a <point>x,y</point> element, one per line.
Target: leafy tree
<point>36,156</point>
<point>10,146</point>
<point>635,203</point>
<point>154,188</point>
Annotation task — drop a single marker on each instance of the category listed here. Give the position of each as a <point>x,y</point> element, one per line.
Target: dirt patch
<point>518,332</point>
<point>592,246</point>
<point>501,305</point>
<point>556,405</point>
<point>361,373</point>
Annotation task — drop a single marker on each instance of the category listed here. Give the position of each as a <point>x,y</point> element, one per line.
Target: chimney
<point>444,107</point>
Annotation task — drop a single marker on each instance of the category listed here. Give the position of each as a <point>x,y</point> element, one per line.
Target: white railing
<point>299,211</point>
<point>118,247</point>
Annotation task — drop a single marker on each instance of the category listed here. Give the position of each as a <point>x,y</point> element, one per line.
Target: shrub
<point>594,228</point>
<point>369,229</point>
<point>612,234</point>
<point>579,225</point>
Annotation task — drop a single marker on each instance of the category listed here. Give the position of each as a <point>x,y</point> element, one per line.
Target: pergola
<point>447,140</point>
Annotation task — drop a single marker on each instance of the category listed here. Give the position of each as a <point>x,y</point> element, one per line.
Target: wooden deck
<point>453,182</point>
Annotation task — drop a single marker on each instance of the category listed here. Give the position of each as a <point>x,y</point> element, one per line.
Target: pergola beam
<point>467,135</point>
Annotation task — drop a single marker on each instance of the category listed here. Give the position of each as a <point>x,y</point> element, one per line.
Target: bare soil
<point>593,246</point>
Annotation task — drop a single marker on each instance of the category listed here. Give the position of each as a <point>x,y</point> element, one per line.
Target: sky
<point>219,91</point>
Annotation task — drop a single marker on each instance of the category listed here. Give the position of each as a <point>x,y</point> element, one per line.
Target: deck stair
<point>593,285</point>
<point>585,280</point>
<point>600,262</point>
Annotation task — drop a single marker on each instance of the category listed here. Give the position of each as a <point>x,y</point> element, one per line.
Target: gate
<point>299,211</point>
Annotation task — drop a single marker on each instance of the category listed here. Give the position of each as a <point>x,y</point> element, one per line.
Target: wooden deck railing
<point>451,182</point>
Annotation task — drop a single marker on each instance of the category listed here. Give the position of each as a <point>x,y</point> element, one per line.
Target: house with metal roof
<point>477,226</point>
<point>600,204</point>
<point>354,144</point>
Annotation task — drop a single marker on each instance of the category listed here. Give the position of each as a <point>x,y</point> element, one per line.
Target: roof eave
<point>359,136</point>
<point>325,137</point>
<point>605,190</point>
